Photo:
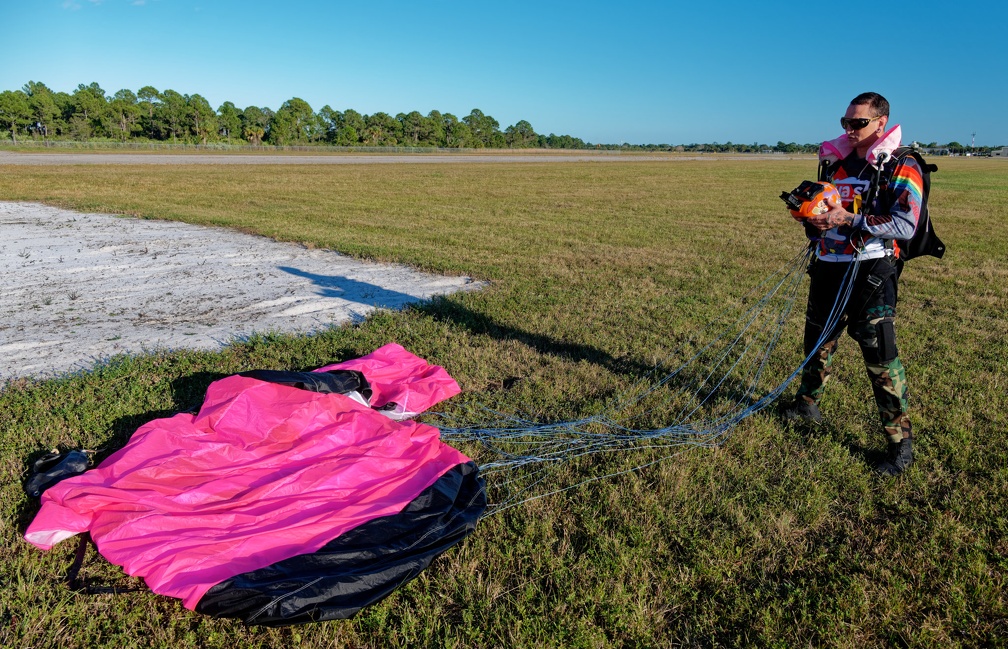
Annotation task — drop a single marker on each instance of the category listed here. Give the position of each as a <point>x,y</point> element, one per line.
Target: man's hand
<point>832,218</point>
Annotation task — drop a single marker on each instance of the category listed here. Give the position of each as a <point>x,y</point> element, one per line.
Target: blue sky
<point>607,72</point>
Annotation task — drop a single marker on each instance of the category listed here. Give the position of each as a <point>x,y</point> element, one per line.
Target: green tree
<point>254,124</point>
<point>351,129</point>
<point>90,111</point>
<point>254,134</point>
<point>414,127</point>
<point>521,135</point>
<point>170,114</point>
<point>315,128</point>
<point>329,122</point>
<point>148,99</point>
<point>436,124</point>
<point>457,133</point>
<point>125,113</point>
<point>563,142</point>
<point>381,129</point>
<point>65,104</point>
<point>228,121</point>
<point>294,123</point>
<point>15,111</point>
<point>201,118</point>
<point>483,128</point>
<point>44,110</point>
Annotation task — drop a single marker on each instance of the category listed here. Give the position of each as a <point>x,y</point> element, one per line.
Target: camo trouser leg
<point>890,388</point>
<point>869,319</point>
<point>816,372</point>
<point>877,337</point>
<point>819,349</point>
<point>875,332</point>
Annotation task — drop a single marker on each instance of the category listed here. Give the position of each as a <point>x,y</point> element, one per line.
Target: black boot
<point>898,458</point>
<point>801,410</point>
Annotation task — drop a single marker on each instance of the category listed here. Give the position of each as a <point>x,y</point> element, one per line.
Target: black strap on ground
<point>77,585</point>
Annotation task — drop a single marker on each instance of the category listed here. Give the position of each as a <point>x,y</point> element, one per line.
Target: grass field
<point>781,537</point>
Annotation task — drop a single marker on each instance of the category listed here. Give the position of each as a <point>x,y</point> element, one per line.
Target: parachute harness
<point>722,382</point>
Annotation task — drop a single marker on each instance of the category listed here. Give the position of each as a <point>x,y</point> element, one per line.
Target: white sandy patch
<point>79,288</point>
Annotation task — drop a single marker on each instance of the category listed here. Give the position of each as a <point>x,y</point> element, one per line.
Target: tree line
<point>35,112</point>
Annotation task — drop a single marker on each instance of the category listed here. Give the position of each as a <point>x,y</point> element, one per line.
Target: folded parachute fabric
<point>278,504</point>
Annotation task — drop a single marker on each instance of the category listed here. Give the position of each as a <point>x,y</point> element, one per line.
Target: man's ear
<point>882,123</point>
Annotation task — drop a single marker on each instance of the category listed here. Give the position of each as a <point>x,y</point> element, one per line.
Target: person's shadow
<point>447,309</point>
<point>352,290</point>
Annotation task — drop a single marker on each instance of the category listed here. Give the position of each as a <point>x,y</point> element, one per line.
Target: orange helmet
<point>811,199</point>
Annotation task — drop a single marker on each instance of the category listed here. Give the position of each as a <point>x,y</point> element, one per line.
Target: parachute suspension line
<point>763,339</point>
<point>775,281</point>
<point>704,398</point>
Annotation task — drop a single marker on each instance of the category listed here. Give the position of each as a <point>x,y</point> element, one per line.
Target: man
<point>863,227</point>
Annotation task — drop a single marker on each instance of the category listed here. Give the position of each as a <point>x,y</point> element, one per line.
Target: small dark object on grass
<point>53,467</point>
<point>801,410</point>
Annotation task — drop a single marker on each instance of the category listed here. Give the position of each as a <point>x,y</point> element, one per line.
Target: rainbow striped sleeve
<point>907,188</point>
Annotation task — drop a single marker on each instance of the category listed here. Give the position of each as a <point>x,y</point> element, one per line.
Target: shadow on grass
<point>445,309</point>
<point>694,387</point>
<point>870,456</point>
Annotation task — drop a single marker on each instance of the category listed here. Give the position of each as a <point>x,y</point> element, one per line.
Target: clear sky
<point>655,71</point>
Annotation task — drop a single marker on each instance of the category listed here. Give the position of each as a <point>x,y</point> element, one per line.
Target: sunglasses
<point>856,123</point>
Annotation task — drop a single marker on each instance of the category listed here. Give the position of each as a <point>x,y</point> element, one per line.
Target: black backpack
<point>924,240</point>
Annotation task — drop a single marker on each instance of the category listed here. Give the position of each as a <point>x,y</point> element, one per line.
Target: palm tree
<point>254,134</point>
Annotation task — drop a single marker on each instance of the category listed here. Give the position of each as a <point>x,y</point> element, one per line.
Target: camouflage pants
<point>868,318</point>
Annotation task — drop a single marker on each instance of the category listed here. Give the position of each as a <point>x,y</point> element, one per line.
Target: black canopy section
<point>331,382</point>
<point>360,567</point>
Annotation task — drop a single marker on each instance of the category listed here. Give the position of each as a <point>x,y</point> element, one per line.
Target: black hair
<point>877,102</point>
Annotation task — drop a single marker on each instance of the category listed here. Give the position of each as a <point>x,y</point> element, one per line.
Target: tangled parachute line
<point>722,381</point>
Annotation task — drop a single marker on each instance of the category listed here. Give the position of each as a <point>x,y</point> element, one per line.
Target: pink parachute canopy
<point>262,473</point>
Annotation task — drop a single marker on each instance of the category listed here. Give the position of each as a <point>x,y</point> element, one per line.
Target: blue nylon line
<point>535,448</point>
<point>800,260</point>
<point>754,312</point>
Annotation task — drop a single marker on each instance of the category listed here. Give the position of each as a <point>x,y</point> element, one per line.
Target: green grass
<point>782,537</point>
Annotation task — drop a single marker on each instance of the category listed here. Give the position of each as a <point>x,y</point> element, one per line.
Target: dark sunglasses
<point>856,123</point>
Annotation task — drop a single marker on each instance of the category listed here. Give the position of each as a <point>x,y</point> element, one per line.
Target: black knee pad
<point>885,333</point>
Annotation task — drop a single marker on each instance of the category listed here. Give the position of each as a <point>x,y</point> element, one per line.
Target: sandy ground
<point>79,288</point>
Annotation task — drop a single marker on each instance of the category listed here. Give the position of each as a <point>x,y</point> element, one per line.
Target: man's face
<point>863,138</point>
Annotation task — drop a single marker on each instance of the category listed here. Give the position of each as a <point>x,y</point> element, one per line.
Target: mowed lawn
<point>597,271</point>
